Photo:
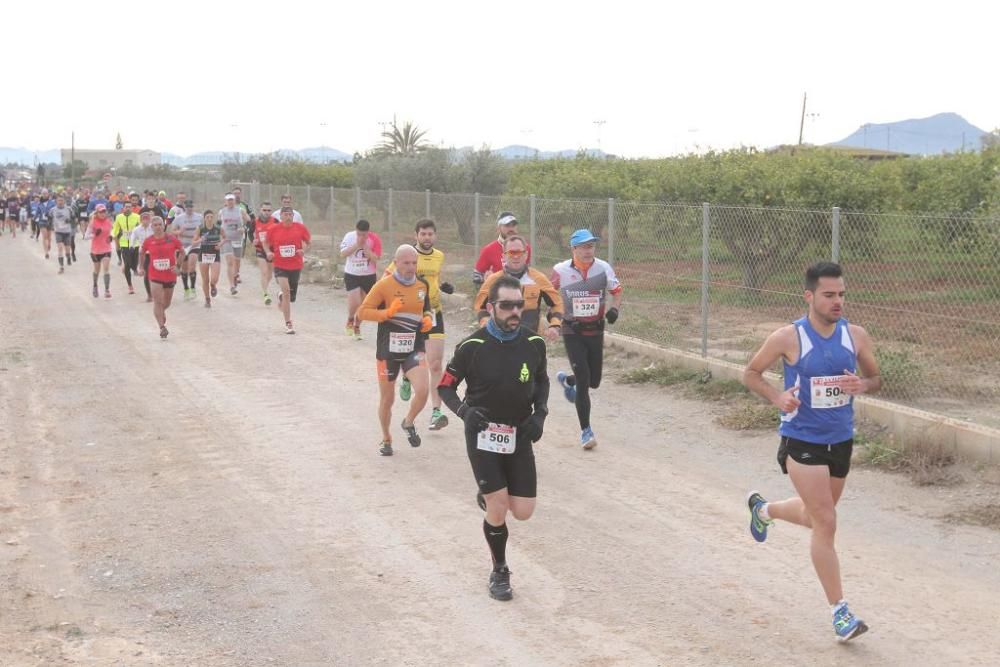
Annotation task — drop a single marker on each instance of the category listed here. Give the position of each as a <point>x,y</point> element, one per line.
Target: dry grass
<point>987,516</point>
<point>749,416</point>
<point>925,462</point>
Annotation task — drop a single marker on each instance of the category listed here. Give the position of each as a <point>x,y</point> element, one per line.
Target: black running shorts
<point>837,457</point>
<point>293,280</point>
<point>97,258</point>
<point>366,283</point>
<point>515,472</point>
<point>437,331</point>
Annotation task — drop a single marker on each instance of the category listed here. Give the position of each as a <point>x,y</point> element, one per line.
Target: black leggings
<point>130,262</point>
<point>586,356</point>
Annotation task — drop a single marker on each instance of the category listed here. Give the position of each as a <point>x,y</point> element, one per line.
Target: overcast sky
<point>663,77</point>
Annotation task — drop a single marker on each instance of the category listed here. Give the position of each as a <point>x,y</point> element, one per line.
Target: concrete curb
<point>962,438</point>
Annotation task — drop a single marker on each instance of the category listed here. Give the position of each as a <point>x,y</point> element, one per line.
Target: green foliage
<point>427,170</point>
<point>288,171</point>
<point>74,170</point>
<point>900,370</point>
<point>404,141</point>
<point>157,172</point>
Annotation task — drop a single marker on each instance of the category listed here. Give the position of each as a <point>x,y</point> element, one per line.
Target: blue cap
<point>581,236</point>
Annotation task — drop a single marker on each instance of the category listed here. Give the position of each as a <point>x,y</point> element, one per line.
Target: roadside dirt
<point>217,500</point>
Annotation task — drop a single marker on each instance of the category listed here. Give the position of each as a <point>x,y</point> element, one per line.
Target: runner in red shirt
<point>159,259</point>
<point>491,255</point>
<point>261,227</point>
<point>285,245</point>
<point>99,233</point>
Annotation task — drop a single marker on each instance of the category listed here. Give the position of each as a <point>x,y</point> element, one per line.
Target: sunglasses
<point>514,253</point>
<point>510,305</point>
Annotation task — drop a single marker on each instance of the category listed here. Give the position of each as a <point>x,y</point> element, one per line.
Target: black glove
<point>447,288</point>
<point>474,416</point>
<point>611,316</point>
<point>531,428</point>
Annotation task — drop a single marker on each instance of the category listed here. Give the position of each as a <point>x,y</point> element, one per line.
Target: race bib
<point>586,306</point>
<point>402,342</point>
<point>237,243</point>
<point>286,251</point>
<point>263,236</point>
<point>357,265</point>
<point>161,264</point>
<point>207,258</point>
<point>825,392</point>
<point>498,438</point>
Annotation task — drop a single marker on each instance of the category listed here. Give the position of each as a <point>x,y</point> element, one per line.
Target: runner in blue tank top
<point>822,355</point>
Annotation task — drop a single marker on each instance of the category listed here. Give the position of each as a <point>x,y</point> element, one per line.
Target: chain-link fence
<point>716,280</point>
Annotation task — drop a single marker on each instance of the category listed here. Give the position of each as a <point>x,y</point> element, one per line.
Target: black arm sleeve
<point>540,399</point>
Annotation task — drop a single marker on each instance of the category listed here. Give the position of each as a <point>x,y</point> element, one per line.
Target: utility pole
<point>802,119</point>
<point>599,124</point>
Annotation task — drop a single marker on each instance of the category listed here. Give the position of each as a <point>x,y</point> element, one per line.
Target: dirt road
<point>217,500</point>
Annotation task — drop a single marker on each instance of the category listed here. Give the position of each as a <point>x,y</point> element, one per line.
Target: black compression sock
<point>193,279</point>
<point>60,260</point>
<point>107,281</point>
<point>95,280</point>
<point>496,538</point>
<point>184,278</point>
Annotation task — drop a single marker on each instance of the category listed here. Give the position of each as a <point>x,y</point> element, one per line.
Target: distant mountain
<point>518,152</point>
<point>28,157</point>
<point>319,154</point>
<point>941,133</point>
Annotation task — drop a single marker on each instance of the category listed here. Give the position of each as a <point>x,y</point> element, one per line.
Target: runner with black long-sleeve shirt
<point>506,401</point>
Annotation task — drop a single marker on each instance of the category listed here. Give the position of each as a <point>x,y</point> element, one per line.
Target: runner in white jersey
<point>185,226</point>
<point>135,240</point>
<point>361,248</point>
<point>233,219</point>
<point>286,200</point>
<point>62,224</point>
<point>177,208</point>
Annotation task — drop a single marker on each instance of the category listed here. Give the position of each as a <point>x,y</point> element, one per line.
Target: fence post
<point>334,248</point>
<point>357,202</point>
<point>704,278</point>
<point>531,218</point>
<point>390,216</point>
<point>611,230</point>
<point>475,223</point>
<point>427,203</point>
<point>835,241</point>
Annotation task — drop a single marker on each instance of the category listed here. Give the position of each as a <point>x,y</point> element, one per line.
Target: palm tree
<point>405,141</point>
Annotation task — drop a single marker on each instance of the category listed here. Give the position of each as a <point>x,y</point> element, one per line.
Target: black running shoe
<point>385,449</point>
<point>411,434</point>
<point>164,333</point>
<point>480,500</point>
<point>500,584</point>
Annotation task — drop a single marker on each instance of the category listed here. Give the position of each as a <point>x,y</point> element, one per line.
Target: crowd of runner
<point>503,364</point>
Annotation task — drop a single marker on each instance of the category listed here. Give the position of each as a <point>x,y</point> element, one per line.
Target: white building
<point>99,159</point>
